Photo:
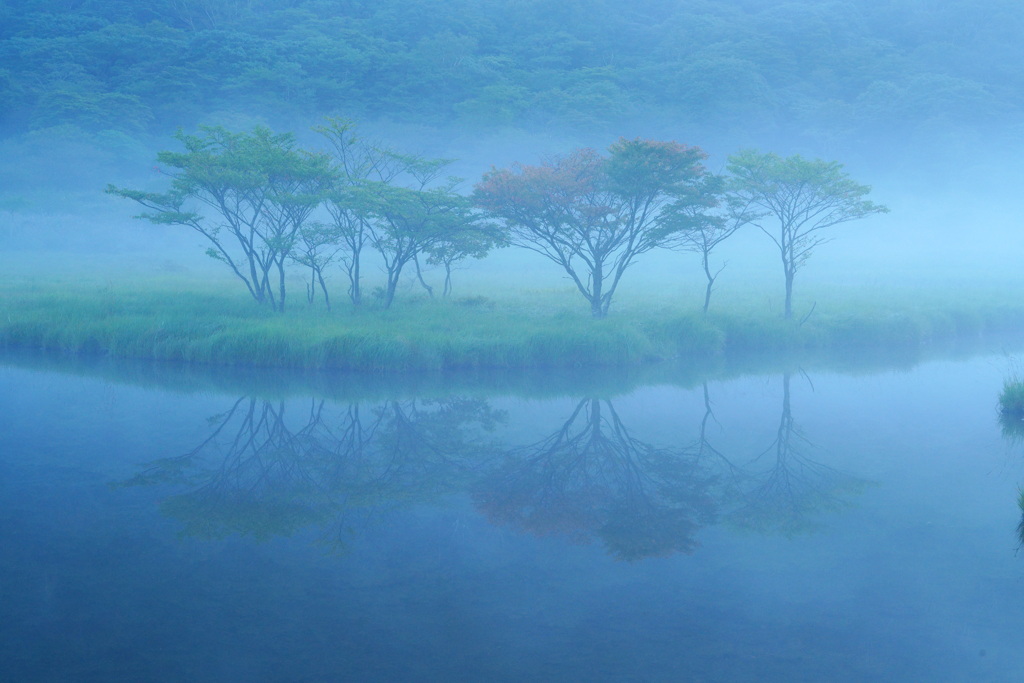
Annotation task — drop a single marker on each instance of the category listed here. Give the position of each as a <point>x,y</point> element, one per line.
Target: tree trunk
<point>323,288</point>
<point>447,280</point>
<point>389,293</point>
<point>597,307</point>
<point>711,284</point>
<point>355,292</point>
<point>280,284</point>
<point>419,276</point>
<point>789,295</point>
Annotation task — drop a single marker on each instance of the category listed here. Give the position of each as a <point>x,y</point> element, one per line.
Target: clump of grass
<point>1011,405</point>
<point>1011,400</point>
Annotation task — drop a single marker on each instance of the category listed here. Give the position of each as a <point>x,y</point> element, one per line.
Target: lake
<point>802,524</point>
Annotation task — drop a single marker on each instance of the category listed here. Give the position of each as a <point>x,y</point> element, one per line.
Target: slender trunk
<point>355,291</point>
<point>267,289</point>
<point>447,280</point>
<point>597,307</point>
<point>419,276</point>
<point>711,284</point>
<point>789,294</point>
<point>280,284</point>
<point>389,293</point>
<point>256,289</point>
<point>323,288</point>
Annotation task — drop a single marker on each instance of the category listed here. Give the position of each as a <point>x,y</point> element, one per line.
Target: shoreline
<point>466,335</point>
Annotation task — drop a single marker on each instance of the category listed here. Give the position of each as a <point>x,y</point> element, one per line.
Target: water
<point>161,524</point>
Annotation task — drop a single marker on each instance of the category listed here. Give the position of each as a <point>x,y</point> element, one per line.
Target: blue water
<point>850,527</point>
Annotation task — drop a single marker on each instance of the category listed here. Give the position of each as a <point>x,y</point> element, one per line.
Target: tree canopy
<point>797,199</point>
<point>830,71</point>
<point>248,194</point>
<point>593,215</point>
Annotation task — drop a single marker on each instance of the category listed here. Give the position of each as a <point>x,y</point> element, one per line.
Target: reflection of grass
<point>1011,401</point>
<point>1020,525</point>
<point>172,319</point>
<point>1011,408</point>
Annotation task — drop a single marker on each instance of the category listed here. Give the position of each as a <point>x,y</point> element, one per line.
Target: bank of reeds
<point>198,326</point>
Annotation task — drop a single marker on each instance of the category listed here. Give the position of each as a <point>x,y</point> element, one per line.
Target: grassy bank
<point>197,325</point>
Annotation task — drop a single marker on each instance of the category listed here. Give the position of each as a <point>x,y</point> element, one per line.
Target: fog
<point>943,157</point>
<point>202,484</point>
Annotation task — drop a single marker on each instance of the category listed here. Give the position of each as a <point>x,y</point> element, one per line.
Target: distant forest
<point>834,74</point>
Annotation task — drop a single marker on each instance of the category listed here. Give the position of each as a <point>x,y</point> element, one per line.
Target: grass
<point>180,319</point>
<point>1011,400</point>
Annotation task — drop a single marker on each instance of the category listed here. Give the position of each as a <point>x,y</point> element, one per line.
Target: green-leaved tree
<point>249,194</point>
<point>797,199</point>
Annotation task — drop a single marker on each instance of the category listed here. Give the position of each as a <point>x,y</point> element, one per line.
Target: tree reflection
<point>271,468</point>
<point>262,472</point>
<point>790,493</point>
<point>592,478</point>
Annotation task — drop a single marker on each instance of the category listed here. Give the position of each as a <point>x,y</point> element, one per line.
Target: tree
<point>468,238</point>
<point>804,197</point>
<point>410,221</point>
<point>316,249</point>
<point>424,217</point>
<point>701,231</point>
<point>594,215</point>
<point>359,166</point>
<point>259,189</point>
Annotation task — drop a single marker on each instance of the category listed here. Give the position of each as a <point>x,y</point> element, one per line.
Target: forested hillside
<point>829,72</point>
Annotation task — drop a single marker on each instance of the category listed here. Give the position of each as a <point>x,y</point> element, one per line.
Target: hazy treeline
<point>827,71</point>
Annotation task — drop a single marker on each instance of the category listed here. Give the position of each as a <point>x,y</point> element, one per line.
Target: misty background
<point>921,99</point>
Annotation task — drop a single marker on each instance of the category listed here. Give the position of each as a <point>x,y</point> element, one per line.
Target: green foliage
<point>846,71</point>
<point>792,200</point>
<point>248,194</point>
<point>594,215</point>
<point>1011,413</point>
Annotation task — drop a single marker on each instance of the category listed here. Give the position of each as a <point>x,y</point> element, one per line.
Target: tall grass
<point>181,321</point>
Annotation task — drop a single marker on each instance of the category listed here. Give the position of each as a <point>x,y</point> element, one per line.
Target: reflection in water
<point>1020,524</point>
<point>262,472</point>
<point>1012,427</point>
<point>591,477</point>
<point>793,490</point>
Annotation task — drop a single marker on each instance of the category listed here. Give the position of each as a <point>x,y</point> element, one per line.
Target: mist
<point>384,480</point>
<point>910,101</point>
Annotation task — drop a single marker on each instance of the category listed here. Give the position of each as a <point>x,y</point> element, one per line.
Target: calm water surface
<point>772,527</point>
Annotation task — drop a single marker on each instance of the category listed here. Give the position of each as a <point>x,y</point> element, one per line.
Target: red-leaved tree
<point>593,214</point>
